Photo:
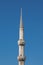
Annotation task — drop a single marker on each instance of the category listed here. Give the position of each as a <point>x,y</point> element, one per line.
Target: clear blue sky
<point>33,31</point>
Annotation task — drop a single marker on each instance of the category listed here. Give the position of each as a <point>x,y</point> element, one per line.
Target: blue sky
<point>33,31</point>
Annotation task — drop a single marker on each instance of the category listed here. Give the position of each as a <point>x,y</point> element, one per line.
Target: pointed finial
<point>21,24</point>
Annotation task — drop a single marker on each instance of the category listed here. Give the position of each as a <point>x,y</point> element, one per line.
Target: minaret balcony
<point>21,58</point>
<point>21,42</point>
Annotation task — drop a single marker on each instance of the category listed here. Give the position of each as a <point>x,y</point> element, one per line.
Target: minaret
<point>21,43</point>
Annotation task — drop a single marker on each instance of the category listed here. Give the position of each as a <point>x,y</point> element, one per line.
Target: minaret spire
<point>21,30</point>
<point>21,43</point>
<point>21,22</point>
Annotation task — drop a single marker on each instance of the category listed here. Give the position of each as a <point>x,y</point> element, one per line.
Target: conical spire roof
<point>21,22</point>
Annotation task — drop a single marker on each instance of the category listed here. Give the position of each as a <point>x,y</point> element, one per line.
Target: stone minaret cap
<point>21,22</point>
